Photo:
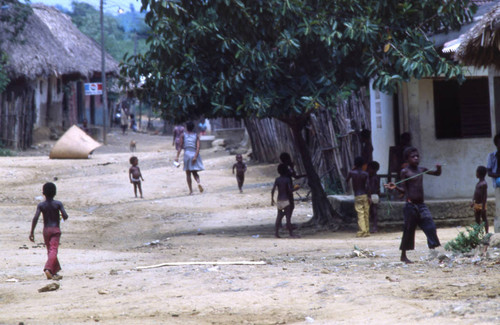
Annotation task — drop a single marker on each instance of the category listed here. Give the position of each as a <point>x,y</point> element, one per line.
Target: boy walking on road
<point>51,211</point>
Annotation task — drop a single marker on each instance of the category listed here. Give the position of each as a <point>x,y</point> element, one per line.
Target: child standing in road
<point>241,168</point>
<point>480,197</point>
<point>51,211</point>
<point>362,195</point>
<point>374,183</point>
<point>285,195</point>
<point>416,213</point>
<point>135,176</point>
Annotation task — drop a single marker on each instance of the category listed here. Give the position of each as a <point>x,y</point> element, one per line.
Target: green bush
<point>465,242</point>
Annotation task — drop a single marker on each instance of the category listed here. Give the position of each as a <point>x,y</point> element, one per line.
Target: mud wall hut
<point>48,65</point>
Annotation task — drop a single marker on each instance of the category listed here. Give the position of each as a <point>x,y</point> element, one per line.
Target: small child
<point>241,169</point>
<point>374,183</point>
<point>51,211</point>
<point>134,175</point>
<point>362,195</point>
<point>480,197</point>
<point>416,213</point>
<point>285,196</point>
<point>133,124</point>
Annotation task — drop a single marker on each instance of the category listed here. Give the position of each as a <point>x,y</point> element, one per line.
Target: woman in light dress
<point>190,142</point>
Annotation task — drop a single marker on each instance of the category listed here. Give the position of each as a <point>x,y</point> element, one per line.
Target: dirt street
<point>317,279</point>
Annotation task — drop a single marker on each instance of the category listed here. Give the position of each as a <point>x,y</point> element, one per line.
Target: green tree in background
<point>13,16</point>
<point>120,39</point>
<point>286,58</point>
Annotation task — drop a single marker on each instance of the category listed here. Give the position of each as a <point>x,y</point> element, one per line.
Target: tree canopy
<point>286,58</point>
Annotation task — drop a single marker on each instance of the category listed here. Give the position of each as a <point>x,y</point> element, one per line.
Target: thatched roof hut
<point>51,45</point>
<point>481,44</point>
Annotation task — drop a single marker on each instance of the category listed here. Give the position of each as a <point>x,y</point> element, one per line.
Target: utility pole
<point>103,78</point>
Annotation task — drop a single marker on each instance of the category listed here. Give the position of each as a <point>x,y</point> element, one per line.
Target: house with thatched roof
<point>480,47</point>
<point>48,65</point>
<point>450,124</point>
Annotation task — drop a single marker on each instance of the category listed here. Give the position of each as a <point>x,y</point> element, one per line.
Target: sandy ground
<point>110,233</point>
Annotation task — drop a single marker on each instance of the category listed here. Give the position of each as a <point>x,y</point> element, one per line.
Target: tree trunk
<point>323,213</point>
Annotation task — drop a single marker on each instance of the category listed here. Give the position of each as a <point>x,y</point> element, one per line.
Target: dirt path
<point>109,234</point>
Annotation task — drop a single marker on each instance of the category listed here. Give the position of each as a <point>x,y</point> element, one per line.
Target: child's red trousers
<point>51,236</point>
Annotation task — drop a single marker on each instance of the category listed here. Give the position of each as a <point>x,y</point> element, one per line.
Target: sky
<point>110,6</point>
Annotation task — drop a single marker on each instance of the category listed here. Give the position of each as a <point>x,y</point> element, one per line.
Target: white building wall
<point>459,157</point>
<point>382,127</point>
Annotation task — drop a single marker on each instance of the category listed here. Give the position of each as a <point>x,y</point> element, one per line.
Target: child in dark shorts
<point>416,213</point>
<point>241,168</point>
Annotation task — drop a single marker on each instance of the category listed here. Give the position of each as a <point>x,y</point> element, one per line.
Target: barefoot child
<point>480,197</point>
<point>51,211</point>
<point>374,183</point>
<point>241,168</point>
<point>292,174</point>
<point>362,195</point>
<point>135,176</point>
<point>285,195</point>
<point>416,213</point>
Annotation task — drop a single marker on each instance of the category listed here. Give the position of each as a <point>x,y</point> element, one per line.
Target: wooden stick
<point>201,263</point>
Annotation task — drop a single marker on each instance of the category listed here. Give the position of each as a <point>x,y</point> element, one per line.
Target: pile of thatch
<point>51,45</point>
<point>481,44</point>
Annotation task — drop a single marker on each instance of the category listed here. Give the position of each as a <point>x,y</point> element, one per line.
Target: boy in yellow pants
<point>362,194</point>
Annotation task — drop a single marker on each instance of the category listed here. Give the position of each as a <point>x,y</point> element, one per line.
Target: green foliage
<point>13,16</point>
<point>119,39</point>
<point>282,59</point>
<point>465,242</point>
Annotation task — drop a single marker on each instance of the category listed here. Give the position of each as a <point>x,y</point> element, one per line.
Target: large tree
<point>286,58</point>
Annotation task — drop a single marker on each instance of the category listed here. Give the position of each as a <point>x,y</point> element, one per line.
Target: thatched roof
<point>481,44</point>
<point>51,45</point>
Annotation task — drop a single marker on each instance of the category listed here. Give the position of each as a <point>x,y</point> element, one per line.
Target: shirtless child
<point>134,175</point>
<point>285,196</point>
<point>480,197</point>
<point>416,213</point>
<point>51,211</point>
<point>362,193</point>
<point>241,168</point>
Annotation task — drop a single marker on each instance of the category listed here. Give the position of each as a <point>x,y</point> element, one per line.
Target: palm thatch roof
<point>481,44</point>
<point>51,45</point>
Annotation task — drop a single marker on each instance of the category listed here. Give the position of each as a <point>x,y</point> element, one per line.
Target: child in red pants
<point>51,210</point>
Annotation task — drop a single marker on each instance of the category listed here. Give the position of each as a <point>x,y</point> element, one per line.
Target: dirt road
<point>316,279</point>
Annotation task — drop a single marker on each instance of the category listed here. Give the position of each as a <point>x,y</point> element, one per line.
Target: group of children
<point>366,187</point>
<point>366,183</point>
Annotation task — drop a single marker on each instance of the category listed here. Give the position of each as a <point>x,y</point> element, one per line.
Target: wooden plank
<point>201,263</point>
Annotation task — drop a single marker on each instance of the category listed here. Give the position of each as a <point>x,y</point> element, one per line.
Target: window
<point>462,111</point>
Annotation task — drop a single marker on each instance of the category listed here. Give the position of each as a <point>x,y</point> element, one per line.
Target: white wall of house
<point>459,157</point>
<point>40,101</point>
<point>382,127</point>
